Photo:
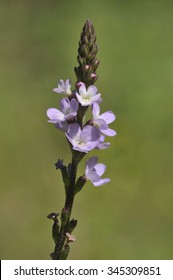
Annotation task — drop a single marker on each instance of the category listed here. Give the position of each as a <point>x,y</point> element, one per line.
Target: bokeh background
<point>131,217</point>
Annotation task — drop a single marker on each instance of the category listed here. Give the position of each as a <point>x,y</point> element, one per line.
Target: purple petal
<point>55,115</point>
<point>95,134</point>
<point>67,85</point>
<point>61,83</point>
<point>101,182</point>
<point>108,117</point>
<point>91,163</point>
<point>96,98</point>
<point>83,149</point>
<point>86,133</point>
<point>103,146</point>
<point>73,133</point>
<point>100,168</point>
<point>71,116</point>
<point>63,126</point>
<point>64,104</point>
<point>90,133</point>
<point>94,177</point>
<point>82,90</point>
<point>79,98</point>
<point>91,145</point>
<point>58,90</point>
<point>108,131</point>
<point>74,105</point>
<point>95,110</point>
<point>101,123</point>
<point>92,90</point>
<point>69,108</point>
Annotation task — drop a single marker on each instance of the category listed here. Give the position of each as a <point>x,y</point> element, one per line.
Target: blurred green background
<point>131,217</point>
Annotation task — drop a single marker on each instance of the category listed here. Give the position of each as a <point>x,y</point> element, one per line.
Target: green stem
<point>66,212</point>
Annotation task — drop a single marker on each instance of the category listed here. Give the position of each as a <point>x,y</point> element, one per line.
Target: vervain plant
<point>82,136</point>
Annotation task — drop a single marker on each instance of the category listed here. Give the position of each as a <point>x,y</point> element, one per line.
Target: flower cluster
<point>83,136</point>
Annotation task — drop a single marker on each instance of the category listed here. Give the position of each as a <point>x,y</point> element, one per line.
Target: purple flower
<point>68,111</point>
<point>63,87</point>
<point>94,171</point>
<point>88,96</point>
<point>103,120</point>
<point>83,140</point>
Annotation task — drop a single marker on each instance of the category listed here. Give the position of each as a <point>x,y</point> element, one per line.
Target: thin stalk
<point>66,212</point>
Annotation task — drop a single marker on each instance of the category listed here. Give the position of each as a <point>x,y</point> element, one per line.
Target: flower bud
<point>84,50</point>
<point>72,224</point>
<point>93,77</point>
<point>80,184</point>
<point>95,65</point>
<point>80,60</point>
<point>87,55</point>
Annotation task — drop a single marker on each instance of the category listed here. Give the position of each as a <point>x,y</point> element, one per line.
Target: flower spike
<point>82,135</point>
<point>87,51</point>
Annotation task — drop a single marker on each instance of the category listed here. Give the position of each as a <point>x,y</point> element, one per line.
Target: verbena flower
<point>83,135</point>
<point>68,111</point>
<point>64,87</point>
<point>83,140</point>
<point>103,120</point>
<point>94,171</point>
<point>88,96</point>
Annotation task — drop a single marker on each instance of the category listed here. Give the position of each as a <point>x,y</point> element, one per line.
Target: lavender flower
<point>69,111</point>
<point>94,171</point>
<point>83,140</point>
<point>88,96</point>
<point>103,120</point>
<point>63,87</point>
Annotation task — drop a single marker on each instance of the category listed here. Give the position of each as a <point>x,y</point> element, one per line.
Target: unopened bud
<point>78,84</point>
<point>72,224</point>
<point>95,65</point>
<point>83,50</point>
<point>94,76</point>
<point>80,60</point>
<point>79,184</point>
